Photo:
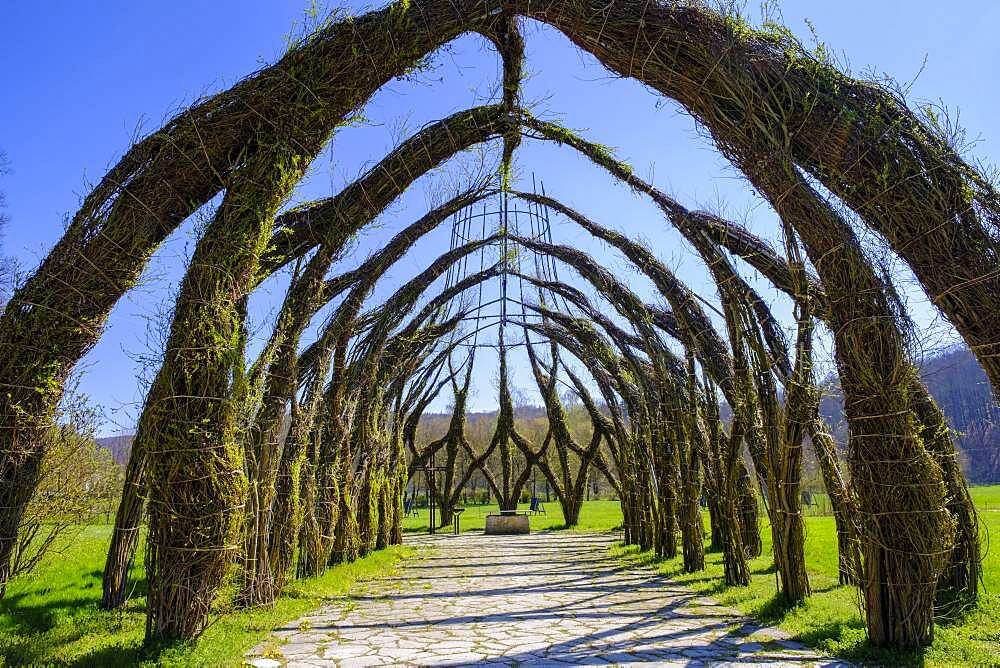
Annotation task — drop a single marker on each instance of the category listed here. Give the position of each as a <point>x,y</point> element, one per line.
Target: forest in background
<point>954,378</point>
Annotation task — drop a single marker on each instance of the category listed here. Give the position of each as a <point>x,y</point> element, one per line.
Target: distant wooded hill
<point>955,378</point>
<point>120,447</point>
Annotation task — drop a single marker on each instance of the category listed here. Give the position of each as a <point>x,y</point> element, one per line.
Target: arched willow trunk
<point>312,560</point>
<point>603,428</point>
<point>505,435</point>
<point>645,522</point>
<point>289,504</point>
<point>843,503</point>
<point>733,522</point>
<point>455,443</point>
<point>785,429</point>
<point>897,558</point>
<point>274,512</point>
<point>715,533</point>
<point>160,182</point>
<point>666,420</point>
<point>854,137</point>
<point>196,481</point>
<point>693,441</point>
<point>647,451</point>
<point>447,490</point>
<point>364,444</point>
<point>568,485</point>
<point>769,106</point>
<point>595,353</point>
<point>346,538</point>
<point>697,332</point>
<point>906,537</point>
<point>382,482</point>
<point>125,536</point>
<point>802,208</point>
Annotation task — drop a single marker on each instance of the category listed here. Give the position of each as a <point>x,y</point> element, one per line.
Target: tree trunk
<point>18,480</point>
<point>125,537</point>
<point>692,531</point>
<point>629,515</point>
<point>788,537</point>
<point>843,503</point>
<point>288,507</point>
<point>734,552</point>
<point>748,514</point>
<point>367,509</point>
<point>571,505</point>
<point>959,584</point>
<point>712,502</point>
<point>346,538</point>
<point>312,560</point>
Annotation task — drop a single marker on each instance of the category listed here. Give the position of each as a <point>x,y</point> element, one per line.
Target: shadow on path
<point>546,599</point>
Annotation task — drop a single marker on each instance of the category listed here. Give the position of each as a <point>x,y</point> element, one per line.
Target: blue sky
<point>81,79</point>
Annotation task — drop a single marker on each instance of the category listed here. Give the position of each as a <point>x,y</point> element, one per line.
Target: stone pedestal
<point>507,525</point>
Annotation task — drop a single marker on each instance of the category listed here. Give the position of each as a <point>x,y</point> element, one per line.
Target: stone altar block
<point>507,524</point>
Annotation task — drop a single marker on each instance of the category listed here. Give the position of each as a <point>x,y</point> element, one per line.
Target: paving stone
<point>262,662</point>
<point>530,601</point>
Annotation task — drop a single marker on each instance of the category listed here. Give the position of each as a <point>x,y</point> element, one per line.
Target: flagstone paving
<point>539,600</point>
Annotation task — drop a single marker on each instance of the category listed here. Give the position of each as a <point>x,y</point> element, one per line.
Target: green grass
<point>987,497</point>
<point>52,617</point>
<point>594,516</point>
<point>831,618</point>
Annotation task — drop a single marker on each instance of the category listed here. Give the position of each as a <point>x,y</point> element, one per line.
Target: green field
<point>595,516</point>
<point>831,618</point>
<point>53,618</point>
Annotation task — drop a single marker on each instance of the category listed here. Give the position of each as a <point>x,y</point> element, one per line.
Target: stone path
<point>544,599</point>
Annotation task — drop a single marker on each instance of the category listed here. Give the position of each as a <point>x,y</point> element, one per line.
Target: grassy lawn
<point>594,516</point>
<point>52,617</point>
<point>831,618</point>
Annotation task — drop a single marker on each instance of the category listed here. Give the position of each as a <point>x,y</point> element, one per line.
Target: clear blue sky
<point>80,79</point>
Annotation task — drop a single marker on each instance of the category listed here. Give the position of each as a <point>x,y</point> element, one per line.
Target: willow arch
<point>769,106</point>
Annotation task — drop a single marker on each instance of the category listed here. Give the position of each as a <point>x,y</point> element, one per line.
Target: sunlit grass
<point>594,516</point>
<point>831,618</point>
<point>53,617</point>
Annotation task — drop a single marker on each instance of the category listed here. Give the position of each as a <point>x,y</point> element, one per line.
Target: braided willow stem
<point>773,109</point>
<point>196,483</point>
